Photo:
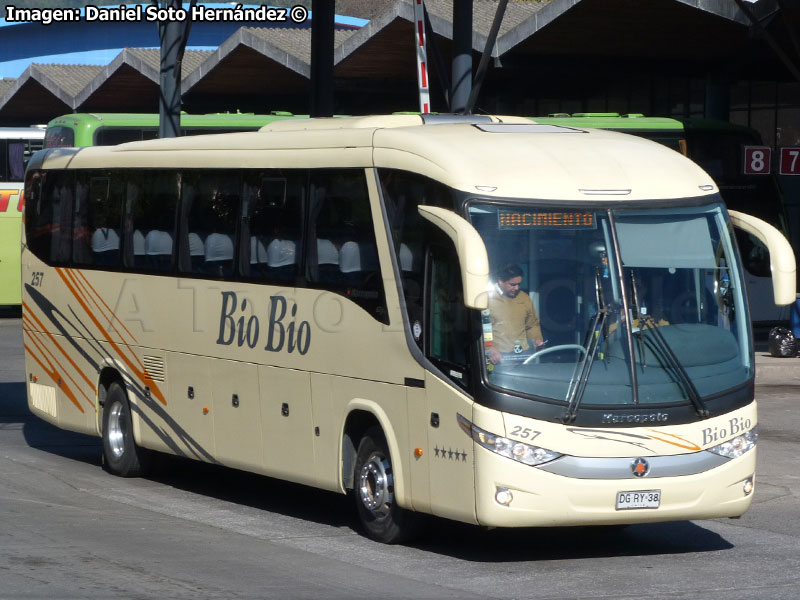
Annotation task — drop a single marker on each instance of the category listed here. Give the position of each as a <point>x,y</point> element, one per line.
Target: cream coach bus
<point>313,302</point>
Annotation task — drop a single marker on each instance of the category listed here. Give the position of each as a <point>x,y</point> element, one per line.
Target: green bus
<point>17,144</point>
<point>80,130</point>
<point>718,147</point>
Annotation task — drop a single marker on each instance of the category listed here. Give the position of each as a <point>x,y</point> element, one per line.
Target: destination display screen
<point>535,219</point>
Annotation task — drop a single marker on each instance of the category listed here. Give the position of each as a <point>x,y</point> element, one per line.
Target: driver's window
<point>448,331</point>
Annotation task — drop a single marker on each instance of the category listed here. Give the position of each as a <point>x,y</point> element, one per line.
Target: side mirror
<point>781,256</point>
<point>471,252</point>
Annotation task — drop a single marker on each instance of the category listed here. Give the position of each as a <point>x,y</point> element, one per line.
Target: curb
<point>777,371</point>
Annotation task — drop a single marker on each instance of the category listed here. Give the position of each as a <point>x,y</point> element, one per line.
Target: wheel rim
<point>376,486</point>
<point>116,430</point>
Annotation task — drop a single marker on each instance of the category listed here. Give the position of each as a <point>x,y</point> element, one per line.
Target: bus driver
<point>515,324</point>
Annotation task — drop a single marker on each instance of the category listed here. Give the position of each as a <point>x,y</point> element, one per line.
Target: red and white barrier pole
<point>422,58</point>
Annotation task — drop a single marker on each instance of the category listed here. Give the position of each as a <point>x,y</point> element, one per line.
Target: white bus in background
<point>310,302</point>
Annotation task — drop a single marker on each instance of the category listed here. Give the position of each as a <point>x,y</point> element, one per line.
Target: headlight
<point>737,446</point>
<point>524,453</point>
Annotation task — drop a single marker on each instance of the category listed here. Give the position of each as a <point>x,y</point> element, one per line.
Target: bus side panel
<point>452,471</point>
<point>237,414</point>
<point>189,397</point>
<point>286,424</point>
<point>153,424</point>
<point>10,234</point>
<point>418,426</point>
<point>327,434</point>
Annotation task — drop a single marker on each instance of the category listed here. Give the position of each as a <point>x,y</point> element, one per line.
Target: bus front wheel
<point>121,455</point>
<point>383,520</point>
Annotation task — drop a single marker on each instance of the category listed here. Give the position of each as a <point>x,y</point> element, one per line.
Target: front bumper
<point>542,499</point>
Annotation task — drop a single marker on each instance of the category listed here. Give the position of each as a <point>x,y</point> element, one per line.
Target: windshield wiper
<point>667,356</point>
<point>577,386</point>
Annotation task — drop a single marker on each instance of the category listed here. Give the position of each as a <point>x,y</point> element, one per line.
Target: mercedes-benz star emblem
<point>640,467</point>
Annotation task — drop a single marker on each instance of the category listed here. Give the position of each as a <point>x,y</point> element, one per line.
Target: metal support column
<point>173,35</point>
<point>790,65</point>
<point>462,55</point>
<point>322,26</point>
<point>483,65</point>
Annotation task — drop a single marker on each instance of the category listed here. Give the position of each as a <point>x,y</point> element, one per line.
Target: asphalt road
<point>69,530</point>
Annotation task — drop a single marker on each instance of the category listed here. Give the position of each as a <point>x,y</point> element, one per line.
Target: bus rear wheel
<point>382,519</point>
<point>121,455</point>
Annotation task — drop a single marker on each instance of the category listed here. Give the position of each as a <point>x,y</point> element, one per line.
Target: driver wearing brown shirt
<point>515,324</point>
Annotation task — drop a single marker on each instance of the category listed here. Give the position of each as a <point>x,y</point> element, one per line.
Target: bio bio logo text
<point>284,332</point>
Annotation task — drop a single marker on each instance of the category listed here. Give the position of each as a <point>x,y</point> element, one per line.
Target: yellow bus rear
<point>17,144</point>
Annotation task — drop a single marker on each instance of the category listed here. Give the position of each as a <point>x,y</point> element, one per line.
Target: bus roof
<point>716,126</point>
<point>152,119</point>
<point>616,121</point>
<point>638,123</point>
<point>505,157</point>
<point>17,133</point>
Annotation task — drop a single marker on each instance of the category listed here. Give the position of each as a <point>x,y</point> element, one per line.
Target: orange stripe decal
<point>72,275</point>
<point>136,370</point>
<point>99,297</point>
<point>48,355</point>
<point>686,443</point>
<point>29,314</point>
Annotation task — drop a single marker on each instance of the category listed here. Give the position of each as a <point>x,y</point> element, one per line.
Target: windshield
<point>613,307</point>
<point>59,137</point>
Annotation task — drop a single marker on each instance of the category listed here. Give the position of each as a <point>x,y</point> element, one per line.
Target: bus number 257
<point>525,434</point>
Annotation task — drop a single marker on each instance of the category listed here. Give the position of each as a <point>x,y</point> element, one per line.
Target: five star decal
<point>450,454</point>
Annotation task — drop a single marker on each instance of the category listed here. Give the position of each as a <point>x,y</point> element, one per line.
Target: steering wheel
<point>560,348</point>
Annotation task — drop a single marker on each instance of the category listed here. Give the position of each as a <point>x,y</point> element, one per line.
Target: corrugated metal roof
<point>6,84</point>
<point>296,42</point>
<point>71,79</point>
<point>483,12</point>
<point>152,58</point>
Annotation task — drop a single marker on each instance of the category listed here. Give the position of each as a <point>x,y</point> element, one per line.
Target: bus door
<point>442,478</point>
<point>447,346</point>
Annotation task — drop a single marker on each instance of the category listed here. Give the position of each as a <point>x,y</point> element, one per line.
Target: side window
<point>402,193</point>
<point>109,136</point>
<point>48,215</point>
<point>272,232</point>
<point>96,230</point>
<point>150,206</point>
<point>448,326</point>
<point>16,160</point>
<point>4,161</point>
<point>755,256</point>
<point>343,255</point>
<point>209,208</point>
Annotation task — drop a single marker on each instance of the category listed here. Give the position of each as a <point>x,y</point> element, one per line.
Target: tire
<point>121,455</point>
<point>382,519</point>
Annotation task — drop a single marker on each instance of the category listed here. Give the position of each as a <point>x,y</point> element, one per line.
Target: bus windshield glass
<point>59,137</point>
<point>611,307</point>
